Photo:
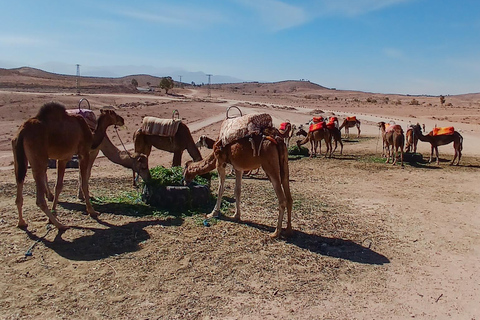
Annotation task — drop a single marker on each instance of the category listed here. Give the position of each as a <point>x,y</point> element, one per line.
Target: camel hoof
<point>236,217</point>
<point>214,214</point>
<point>22,225</point>
<point>288,232</point>
<point>62,228</point>
<point>94,214</point>
<point>274,235</point>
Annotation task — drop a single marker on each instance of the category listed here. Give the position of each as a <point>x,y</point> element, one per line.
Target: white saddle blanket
<point>160,127</point>
<point>240,127</point>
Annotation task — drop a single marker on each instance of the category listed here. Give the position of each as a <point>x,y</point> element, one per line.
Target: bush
<point>298,151</point>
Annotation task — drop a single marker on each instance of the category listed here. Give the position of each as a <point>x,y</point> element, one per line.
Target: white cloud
<point>354,7</point>
<point>277,15</point>
<point>16,41</point>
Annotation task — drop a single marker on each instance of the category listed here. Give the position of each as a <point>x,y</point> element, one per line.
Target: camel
<point>315,138</point>
<point>394,138</point>
<point>350,122</point>
<point>180,141</point>
<point>272,157</point>
<point>411,141</point>
<point>286,131</point>
<point>335,134</point>
<point>440,140</point>
<point>54,134</point>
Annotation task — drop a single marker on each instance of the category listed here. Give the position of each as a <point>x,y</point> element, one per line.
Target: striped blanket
<point>237,128</point>
<point>440,131</point>
<point>87,114</point>
<point>160,127</point>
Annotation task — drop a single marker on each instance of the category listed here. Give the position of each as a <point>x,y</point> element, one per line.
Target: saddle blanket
<point>237,128</point>
<point>332,120</point>
<point>317,119</point>
<point>283,126</point>
<point>316,126</point>
<point>332,123</point>
<point>354,118</point>
<point>160,127</point>
<point>440,131</point>
<point>87,114</point>
<point>392,127</point>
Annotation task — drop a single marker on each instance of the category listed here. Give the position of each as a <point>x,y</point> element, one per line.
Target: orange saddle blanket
<point>317,126</point>
<point>354,118</point>
<point>442,131</point>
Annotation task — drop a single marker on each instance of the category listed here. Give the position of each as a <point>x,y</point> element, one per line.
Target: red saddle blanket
<point>317,126</point>
<point>354,118</point>
<point>283,126</point>
<point>317,119</point>
<point>440,131</point>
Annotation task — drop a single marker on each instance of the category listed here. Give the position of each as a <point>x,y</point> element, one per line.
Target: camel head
<point>111,118</point>
<point>416,128</point>
<point>188,175</point>
<point>301,132</point>
<point>140,166</point>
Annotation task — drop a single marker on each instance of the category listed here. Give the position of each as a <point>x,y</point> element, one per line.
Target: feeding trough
<point>165,191</point>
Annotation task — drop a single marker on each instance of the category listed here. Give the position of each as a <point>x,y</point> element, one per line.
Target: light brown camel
<point>350,122</point>
<point>54,134</point>
<point>315,138</point>
<point>273,158</point>
<point>440,140</point>
<point>393,140</point>
<point>411,141</point>
<point>335,134</point>
<point>177,144</point>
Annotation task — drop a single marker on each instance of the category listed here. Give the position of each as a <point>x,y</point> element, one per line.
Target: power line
<point>77,79</point>
<point>209,89</point>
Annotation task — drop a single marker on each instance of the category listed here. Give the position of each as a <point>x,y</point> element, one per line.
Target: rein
<point>118,135</point>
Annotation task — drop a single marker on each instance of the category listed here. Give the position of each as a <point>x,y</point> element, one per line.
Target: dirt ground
<point>371,241</point>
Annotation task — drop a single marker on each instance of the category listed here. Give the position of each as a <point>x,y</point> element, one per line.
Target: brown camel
<point>440,140</point>
<point>335,134</point>
<point>286,131</point>
<point>272,157</point>
<point>315,138</point>
<point>54,134</point>
<point>350,122</point>
<point>180,141</point>
<point>411,141</point>
<point>393,140</point>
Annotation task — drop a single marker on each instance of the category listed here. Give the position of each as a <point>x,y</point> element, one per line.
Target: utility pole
<point>77,79</point>
<point>209,89</point>
<point>181,85</point>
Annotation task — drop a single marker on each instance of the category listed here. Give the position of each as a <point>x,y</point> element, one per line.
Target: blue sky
<point>384,46</point>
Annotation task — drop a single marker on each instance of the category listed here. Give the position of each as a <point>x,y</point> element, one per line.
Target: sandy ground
<point>372,241</point>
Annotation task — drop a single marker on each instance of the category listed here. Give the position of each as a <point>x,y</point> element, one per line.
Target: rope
<point>378,139</point>
<point>118,135</point>
<point>29,253</point>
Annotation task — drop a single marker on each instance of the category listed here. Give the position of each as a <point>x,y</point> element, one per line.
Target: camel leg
<point>431,154</point>
<point>274,177</point>
<point>221,187</point>
<point>93,156</point>
<point>238,191</point>
<point>19,202</point>
<point>358,127</point>
<point>177,158</point>
<point>84,161</point>
<point>61,165</point>
<point>436,154</point>
<point>47,190</point>
<point>40,177</point>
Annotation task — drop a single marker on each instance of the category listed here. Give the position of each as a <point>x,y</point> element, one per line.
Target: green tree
<point>166,83</point>
<point>442,100</point>
<point>134,83</point>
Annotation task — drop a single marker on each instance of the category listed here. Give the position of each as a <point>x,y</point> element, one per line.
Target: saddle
<point>331,123</point>
<point>392,127</point>
<point>283,126</point>
<point>160,127</point>
<point>233,129</point>
<point>442,131</point>
<point>87,114</point>
<point>317,126</point>
<point>351,119</point>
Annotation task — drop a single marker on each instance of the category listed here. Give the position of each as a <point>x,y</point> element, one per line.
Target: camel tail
<point>20,159</point>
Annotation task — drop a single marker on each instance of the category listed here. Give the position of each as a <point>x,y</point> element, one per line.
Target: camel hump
<point>160,127</point>
<point>50,111</point>
<point>351,119</point>
<point>234,129</point>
